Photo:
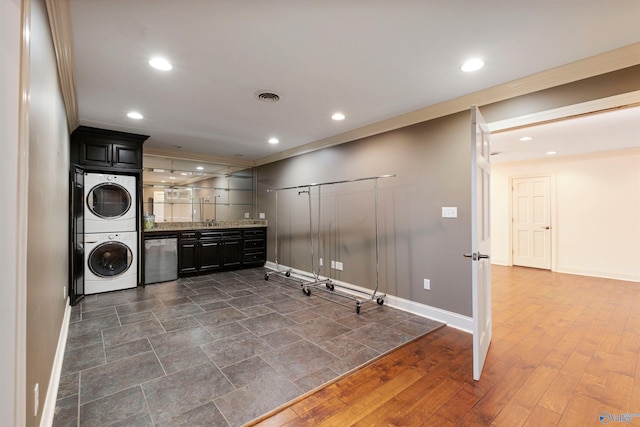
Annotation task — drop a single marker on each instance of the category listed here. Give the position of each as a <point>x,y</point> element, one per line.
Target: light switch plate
<point>449,212</point>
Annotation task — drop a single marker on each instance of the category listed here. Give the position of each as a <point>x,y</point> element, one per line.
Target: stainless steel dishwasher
<point>160,259</point>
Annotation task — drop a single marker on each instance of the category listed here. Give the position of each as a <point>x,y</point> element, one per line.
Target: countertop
<point>209,225</point>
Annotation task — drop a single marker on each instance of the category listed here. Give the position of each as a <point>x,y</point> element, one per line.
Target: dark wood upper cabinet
<point>101,148</point>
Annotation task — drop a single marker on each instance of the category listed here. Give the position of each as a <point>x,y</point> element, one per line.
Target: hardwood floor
<point>564,351</point>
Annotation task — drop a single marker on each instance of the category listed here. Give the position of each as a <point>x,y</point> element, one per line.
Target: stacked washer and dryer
<point>110,232</point>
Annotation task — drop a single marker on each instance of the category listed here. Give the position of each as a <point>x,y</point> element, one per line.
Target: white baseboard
<point>594,273</point>
<point>49,408</point>
<point>458,321</point>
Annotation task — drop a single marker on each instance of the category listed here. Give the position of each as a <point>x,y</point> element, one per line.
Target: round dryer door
<point>109,200</point>
<point>110,259</point>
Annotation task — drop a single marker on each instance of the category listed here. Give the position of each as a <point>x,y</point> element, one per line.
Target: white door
<point>158,206</point>
<point>182,205</point>
<point>480,239</point>
<point>531,222</point>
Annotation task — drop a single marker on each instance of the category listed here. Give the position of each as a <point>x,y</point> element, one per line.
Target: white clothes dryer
<point>109,203</point>
<point>111,262</point>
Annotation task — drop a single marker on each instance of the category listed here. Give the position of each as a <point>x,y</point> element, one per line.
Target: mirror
<point>180,190</point>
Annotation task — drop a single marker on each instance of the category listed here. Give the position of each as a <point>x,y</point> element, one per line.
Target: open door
<point>480,239</point>
<point>76,251</point>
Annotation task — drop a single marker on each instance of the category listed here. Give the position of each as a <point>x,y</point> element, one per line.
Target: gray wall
<point>47,244</point>
<point>432,164</point>
<point>614,83</point>
<point>10,39</point>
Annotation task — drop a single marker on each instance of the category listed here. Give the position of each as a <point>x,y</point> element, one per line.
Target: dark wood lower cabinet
<point>231,253</point>
<point>188,257</point>
<point>254,244</point>
<point>210,257</point>
<point>205,251</point>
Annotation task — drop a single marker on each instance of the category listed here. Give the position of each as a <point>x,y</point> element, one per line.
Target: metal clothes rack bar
<point>316,282</point>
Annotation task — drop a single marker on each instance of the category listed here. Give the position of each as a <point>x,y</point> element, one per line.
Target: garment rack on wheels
<point>326,284</point>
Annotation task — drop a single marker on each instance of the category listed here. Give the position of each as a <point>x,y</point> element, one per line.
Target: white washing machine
<point>109,203</point>
<point>110,262</point>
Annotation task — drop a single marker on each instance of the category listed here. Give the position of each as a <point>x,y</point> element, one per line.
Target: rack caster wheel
<point>330,286</point>
<point>266,276</point>
<point>306,291</point>
<point>358,309</point>
<point>288,273</point>
<point>380,301</point>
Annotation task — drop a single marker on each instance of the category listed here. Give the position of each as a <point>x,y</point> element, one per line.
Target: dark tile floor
<point>216,350</point>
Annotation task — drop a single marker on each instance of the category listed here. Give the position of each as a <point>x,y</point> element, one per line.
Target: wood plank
<point>360,407</point>
<point>279,419</point>
<point>497,398</point>
<point>536,385</point>
<point>557,396</point>
<point>542,417</point>
<point>581,411</point>
<point>513,415</point>
<point>453,410</point>
<point>617,393</point>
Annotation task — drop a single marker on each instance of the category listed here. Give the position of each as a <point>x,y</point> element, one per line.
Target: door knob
<point>475,256</point>
<point>546,228</point>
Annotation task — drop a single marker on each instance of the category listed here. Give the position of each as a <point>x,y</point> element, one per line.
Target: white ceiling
<point>606,131</point>
<point>370,59</point>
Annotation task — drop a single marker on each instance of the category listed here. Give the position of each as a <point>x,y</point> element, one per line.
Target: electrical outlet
<point>339,266</point>
<point>333,264</point>
<point>427,284</point>
<point>262,215</point>
<point>64,292</point>
<point>449,212</point>
<point>246,215</point>
<point>320,262</point>
<point>36,399</point>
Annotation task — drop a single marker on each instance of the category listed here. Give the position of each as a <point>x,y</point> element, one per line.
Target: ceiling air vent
<point>267,96</point>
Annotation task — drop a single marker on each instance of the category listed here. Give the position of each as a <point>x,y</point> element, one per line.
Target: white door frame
<point>553,213</point>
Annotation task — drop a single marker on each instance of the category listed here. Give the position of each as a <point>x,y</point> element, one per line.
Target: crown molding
<point>60,22</point>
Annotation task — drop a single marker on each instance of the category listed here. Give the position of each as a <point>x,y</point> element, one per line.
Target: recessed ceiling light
<point>163,180</point>
<point>199,168</point>
<point>472,65</point>
<point>550,153</point>
<point>172,177</point>
<point>338,116</point>
<point>160,64</point>
<point>273,140</point>
<point>526,138</point>
<point>135,115</point>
